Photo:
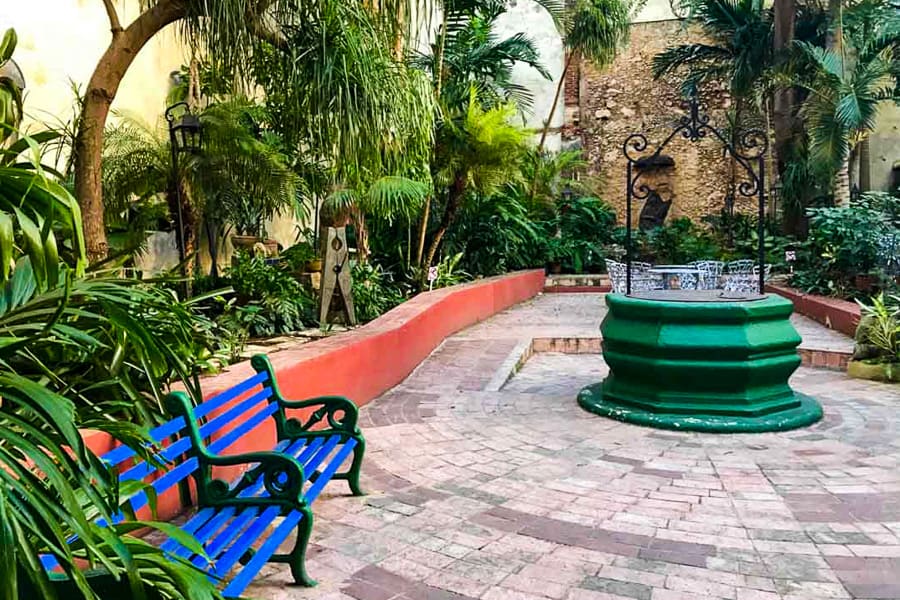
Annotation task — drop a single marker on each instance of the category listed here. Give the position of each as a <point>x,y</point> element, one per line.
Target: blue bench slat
<point>214,524</point>
<point>245,541</point>
<point>240,582</point>
<point>162,432</point>
<point>230,394</point>
<point>322,454</point>
<point>316,488</point>
<point>232,436</point>
<point>204,518</point>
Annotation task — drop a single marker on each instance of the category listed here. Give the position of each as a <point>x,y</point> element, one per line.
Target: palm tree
<point>238,176</point>
<point>477,150</point>
<point>843,103</point>
<point>595,30</point>
<point>233,33</point>
<point>467,53</point>
<point>386,198</point>
<point>741,52</point>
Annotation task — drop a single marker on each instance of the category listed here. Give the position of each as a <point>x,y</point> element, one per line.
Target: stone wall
<point>625,99</point>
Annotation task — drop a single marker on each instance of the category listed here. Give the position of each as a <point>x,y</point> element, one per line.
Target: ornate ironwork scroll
<point>747,148</point>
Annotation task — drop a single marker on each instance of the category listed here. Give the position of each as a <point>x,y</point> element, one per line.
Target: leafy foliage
<point>742,32</point>
<point>269,301</point>
<point>374,291</point>
<point>843,243</point>
<point>679,241</point>
<point>10,94</point>
<point>469,53</point>
<point>878,333</point>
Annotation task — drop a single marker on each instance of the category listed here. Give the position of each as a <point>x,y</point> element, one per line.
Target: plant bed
<point>834,313</point>
<point>874,371</point>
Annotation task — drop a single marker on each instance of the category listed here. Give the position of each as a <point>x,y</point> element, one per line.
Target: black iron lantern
<point>188,133</point>
<point>185,136</point>
<point>185,131</point>
<point>567,194</point>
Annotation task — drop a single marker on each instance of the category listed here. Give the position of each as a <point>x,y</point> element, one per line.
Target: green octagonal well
<point>701,363</point>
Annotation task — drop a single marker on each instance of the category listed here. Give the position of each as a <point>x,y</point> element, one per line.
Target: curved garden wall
<point>365,362</point>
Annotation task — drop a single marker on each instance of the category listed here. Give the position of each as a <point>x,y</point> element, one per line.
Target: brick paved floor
<point>519,494</point>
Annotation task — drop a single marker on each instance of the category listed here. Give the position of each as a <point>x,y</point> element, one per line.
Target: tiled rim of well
<point>815,358</point>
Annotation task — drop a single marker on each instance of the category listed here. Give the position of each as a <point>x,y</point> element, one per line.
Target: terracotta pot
<point>249,242</point>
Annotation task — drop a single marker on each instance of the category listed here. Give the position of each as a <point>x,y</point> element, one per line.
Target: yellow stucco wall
<point>61,40</point>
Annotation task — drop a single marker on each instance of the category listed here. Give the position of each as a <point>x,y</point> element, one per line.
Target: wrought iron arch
<point>748,151</point>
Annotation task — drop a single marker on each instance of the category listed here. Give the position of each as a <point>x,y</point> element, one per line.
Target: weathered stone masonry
<point>624,99</point>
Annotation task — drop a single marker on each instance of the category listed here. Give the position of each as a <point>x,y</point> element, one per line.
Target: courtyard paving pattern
<point>516,493</point>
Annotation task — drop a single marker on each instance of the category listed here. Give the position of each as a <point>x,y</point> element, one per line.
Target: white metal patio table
<point>670,272</point>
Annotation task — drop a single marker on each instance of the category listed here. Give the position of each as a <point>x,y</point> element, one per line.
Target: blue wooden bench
<point>235,522</point>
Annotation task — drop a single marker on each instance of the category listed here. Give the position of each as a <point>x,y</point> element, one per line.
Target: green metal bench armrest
<point>340,414</point>
<point>282,475</point>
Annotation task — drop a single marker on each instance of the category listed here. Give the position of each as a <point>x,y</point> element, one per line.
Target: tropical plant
<point>678,242</point>
<point>741,53</point>
<point>54,493</point>
<point>240,178</point>
<point>386,198</point>
<point>594,30</point>
<point>495,234</point>
<point>843,243</point>
<point>233,33</point>
<point>10,94</point>
<point>467,52</point>
<point>878,334</point>
<point>477,150</point>
<point>374,291</point>
<point>269,300</point>
<point>77,352</point>
<point>844,98</point>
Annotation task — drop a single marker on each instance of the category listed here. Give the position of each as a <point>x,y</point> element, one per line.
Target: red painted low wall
<point>364,363</point>
<point>837,314</point>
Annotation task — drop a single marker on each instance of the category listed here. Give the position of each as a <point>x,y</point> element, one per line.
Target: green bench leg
<point>352,474</point>
<point>297,558</point>
<point>356,466</point>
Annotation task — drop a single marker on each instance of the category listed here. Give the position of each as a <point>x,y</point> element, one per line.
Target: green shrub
<point>679,241</point>
<point>374,291</point>
<point>269,301</point>
<point>843,243</point>
<point>878,333</point>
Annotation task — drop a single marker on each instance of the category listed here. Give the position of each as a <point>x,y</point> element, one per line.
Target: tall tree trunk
<point>865,165</point>
<point>99,95</point>
<point>438,88</point>
<point>362,236</point>
<point>559,90</point>
<point>454,201</point>
<point>834,41</point>
<point>784,97</point>
<point>834,38</point>
<point>423,231</point>
<point>842,183</point>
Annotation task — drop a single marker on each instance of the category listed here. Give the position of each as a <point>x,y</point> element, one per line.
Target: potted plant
<point>559,251</point>
<point>877,352</point>
<point>301,258</point>
<point>248,216</point>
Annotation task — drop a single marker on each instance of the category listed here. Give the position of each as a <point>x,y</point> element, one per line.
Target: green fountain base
<point>700,362</point>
